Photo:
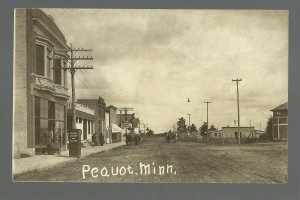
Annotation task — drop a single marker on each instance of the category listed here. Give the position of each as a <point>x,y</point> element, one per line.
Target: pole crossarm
<point>78,67</point>
<point>80,58</point>
<point>237,79</point>
<point>125,109</point>
<point>72,69</point>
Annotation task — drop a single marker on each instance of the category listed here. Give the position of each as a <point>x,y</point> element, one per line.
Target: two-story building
<point>280,122</point>
<point>40,85</point>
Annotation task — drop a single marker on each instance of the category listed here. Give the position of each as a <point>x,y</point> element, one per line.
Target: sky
<point>154,60</point>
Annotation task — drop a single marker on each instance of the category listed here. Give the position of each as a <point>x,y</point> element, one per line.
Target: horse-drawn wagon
<point>171,137</point>
<point>132,138</point>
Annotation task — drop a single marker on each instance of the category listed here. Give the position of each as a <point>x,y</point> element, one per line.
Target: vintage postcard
<point>150,95</point>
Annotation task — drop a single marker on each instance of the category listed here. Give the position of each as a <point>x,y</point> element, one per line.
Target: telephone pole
<point>207,102</point>
<point>72,69</point>
<point>238,107</point>
<point>189,122</point>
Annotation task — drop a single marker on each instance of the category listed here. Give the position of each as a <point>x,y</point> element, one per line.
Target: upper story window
<point>59,73</point>
<point>281,113</point>
<point>44,63</point>
<point>40,60</point>
<point>65,80</point>
<point>49,63</point>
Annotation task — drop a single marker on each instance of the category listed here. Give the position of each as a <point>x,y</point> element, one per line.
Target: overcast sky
<point>153,60</point>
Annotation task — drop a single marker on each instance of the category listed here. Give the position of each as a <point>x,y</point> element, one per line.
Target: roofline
<point>279,106</point>
<point>237,127</point>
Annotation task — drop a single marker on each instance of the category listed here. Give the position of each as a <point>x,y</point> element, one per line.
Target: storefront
<point>40,84</point>
<point>49,124</point>
<point>117,133</point>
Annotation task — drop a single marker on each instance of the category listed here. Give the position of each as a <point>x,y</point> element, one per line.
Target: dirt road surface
<point>185,162</point>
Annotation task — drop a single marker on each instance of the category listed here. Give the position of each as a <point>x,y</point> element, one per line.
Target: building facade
<point>100,109</point>
<point>230,134</point>
<point>280,122</point>
<point>40,85</point>
<point>85,120</point>
<point>115,132</point>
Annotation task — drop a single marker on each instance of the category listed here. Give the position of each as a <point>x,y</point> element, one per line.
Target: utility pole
<point>72,69</point>
<point>189,122</point>
<point>250,123</point>
<point>126,122</point>
<point>207,102</point>
<point>238,107</point>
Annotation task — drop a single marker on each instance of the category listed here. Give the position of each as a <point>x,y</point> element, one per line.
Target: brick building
<point>40,90</point>
<point>280,122</point>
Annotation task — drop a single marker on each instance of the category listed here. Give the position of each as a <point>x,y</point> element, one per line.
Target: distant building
<point>113,130</point>
<point>40,85</point>
<point>85,120</point>
<point>112,114</point>
<point>100,109</point>
<point>215,134</point>
<point>280,122</point>
<point>230,134</point>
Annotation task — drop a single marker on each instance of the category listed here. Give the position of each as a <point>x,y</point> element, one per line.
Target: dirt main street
<point>180,162</point>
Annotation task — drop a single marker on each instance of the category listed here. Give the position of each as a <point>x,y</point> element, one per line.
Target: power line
<point>84,84</point>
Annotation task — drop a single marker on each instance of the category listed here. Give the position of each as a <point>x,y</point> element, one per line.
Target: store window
<point>49,123</point>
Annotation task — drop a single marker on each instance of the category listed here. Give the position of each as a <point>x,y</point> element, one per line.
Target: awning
<point>116,129</point>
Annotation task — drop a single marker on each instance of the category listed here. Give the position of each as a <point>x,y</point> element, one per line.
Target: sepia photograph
<point>150,95</point>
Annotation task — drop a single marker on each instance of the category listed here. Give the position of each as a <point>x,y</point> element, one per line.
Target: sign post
<point>75,143</point>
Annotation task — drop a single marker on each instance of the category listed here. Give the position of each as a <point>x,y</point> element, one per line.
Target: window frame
<point>46,73</point>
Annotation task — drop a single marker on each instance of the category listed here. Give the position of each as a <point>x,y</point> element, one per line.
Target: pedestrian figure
<point>101,138</point>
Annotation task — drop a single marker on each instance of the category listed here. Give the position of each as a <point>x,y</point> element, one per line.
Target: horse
<point>171,137</point>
